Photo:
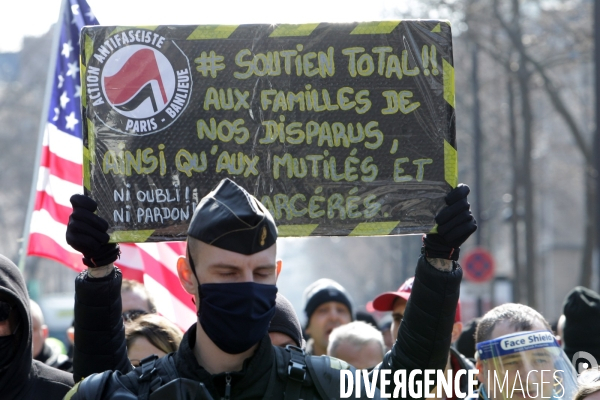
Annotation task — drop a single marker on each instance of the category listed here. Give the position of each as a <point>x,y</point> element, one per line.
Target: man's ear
<point>456,330</point>
<point>186,276</point>
<point>71,334</point>
<point>479,367</point>
<point>279,265</point>
<point>45,331</point>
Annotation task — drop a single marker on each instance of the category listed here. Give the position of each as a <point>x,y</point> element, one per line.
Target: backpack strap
<point>296,372</point>
<point>166,367</point>
<point>298,369</point>
<point>146,380</point>
<point>325,373</point>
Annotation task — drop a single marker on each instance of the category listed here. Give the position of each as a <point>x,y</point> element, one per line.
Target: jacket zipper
<point>227,387</point>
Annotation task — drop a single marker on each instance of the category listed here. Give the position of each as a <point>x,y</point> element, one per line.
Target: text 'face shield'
<point>529,365</point>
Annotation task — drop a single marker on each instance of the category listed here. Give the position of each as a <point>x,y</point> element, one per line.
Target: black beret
<point>232,219</point>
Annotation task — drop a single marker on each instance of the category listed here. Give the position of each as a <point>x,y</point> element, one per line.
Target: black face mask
<point>236,316</point>
<point>8,346</point>
<point>7,349</point>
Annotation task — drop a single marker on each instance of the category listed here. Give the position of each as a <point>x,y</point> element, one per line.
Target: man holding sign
<point>338,129</point>
<point>231,270</point>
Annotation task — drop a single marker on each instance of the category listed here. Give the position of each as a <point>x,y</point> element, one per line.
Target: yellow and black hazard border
<point>339,129</point>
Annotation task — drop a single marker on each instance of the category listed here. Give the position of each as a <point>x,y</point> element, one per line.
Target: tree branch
<point>551,89</point>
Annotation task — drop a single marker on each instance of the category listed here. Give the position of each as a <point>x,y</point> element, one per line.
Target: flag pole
<point>42,128</point>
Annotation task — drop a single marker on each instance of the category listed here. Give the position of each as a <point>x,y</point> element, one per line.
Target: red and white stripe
<point>59,177</point>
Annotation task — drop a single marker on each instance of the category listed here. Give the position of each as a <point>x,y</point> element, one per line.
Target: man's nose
<point>248,276</point>
<point>5,328</point>
<point>335,315</point>
<point>531,381</point>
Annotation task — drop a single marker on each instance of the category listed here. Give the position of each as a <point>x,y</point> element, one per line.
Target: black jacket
<point>263,376</point>
<point>423,343</point>
<point>99,332</point>
<point>23,377</point>
<point>53,359</point>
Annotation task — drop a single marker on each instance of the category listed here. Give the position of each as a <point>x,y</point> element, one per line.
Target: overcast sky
<point>34,17</point>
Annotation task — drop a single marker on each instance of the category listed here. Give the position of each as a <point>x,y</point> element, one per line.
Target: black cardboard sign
<point>339,129</point>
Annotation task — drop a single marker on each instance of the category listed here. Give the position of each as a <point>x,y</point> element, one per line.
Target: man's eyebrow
<point>224,266</point>
<point>397,314</point>
<point>235,267</point>
<point>541,354</point>
<point>268,266</point>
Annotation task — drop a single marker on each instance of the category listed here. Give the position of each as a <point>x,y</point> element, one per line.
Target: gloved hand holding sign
<point>86,233</point>
<point>455,225</point>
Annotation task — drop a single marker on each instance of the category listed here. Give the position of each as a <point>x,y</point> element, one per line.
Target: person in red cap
<point>396,303</point>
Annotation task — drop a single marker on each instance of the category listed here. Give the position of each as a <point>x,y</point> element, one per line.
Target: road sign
<point>478,265</point>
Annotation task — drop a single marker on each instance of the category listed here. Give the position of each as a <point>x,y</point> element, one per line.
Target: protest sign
<point>338,129</point>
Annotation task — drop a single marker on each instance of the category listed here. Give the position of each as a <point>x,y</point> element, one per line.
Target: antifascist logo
<point>138,82</point>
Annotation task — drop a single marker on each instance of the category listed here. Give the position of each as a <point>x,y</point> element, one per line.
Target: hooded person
<point>22,377</point>
<point>231,269</point>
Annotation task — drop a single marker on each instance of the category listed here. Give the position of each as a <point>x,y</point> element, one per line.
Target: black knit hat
<point>323,291</point>
<point>232,219</point>
<point>581,331</point>
<point>286,321</point>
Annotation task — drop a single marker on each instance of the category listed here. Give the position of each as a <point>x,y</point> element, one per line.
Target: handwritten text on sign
<point>339,129</point>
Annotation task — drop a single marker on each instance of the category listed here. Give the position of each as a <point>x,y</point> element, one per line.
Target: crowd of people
<point>248,342</point>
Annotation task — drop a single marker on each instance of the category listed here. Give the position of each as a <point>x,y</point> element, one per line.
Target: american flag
<point>60,176</point>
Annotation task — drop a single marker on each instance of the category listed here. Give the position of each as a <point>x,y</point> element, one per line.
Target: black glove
<point>455,225</point>
<point>86,233</point>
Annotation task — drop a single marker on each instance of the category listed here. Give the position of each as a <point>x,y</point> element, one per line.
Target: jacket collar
<point>252,381</point>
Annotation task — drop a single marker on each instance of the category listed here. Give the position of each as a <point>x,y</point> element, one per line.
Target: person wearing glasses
<point>22,377</point>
